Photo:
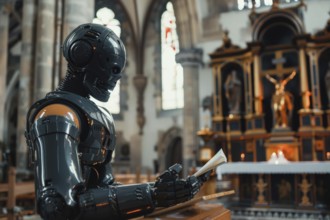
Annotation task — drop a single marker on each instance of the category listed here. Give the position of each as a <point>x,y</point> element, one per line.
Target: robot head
<point>96,52</point>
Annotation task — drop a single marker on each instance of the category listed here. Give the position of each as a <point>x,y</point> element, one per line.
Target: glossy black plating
<point>57,163</point>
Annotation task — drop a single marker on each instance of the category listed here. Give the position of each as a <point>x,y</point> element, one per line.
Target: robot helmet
<point>97,52</point>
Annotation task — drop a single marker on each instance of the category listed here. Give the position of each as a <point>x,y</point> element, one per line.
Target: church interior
<point>249,77</point>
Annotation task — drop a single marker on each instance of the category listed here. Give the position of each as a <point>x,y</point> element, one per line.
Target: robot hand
<point>205,177</point>
<point>170,190</point>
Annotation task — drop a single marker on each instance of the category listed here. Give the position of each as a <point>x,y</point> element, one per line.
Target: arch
<point>174,152</point>
<point>286,19</point>
<point>151,35</point>
<point>166,146</point>
<point>186,16</point>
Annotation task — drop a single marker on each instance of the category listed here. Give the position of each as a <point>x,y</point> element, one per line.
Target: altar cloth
<point>314,167</point>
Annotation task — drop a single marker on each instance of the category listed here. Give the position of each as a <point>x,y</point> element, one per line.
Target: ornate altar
<point>296,185</point>
<point>274,95</point>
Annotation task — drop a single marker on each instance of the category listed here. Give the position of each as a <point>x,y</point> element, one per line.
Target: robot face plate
<point>99,54</point>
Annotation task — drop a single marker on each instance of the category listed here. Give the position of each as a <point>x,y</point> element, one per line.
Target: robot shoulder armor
<point>58,109</point>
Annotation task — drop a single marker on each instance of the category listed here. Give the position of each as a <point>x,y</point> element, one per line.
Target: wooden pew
<point>15,190</point>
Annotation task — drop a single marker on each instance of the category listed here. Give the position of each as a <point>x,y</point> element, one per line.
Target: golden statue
<point>281,100</point>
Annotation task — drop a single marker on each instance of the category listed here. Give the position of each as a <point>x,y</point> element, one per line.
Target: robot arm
<point>61,191</point>
<point>116,202</point>
<point>134,200</point>
<point>58,176</point>
<point>54,138</point>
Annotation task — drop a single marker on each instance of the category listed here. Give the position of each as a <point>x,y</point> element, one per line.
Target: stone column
<point>26,70</point>
<point>190,59</point>
<point>76,12</point>
<point>58,43</point>
<point>4,26</point>
<point>44,48</point>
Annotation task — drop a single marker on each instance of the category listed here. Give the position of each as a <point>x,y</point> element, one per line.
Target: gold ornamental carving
<point>261,187</point>
<point>305,187</point>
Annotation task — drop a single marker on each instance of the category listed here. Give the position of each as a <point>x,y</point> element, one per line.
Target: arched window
<point>106,17</point>
<point>172,72</point>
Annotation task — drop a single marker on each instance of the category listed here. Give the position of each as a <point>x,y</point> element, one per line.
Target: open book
<point>218,159</point>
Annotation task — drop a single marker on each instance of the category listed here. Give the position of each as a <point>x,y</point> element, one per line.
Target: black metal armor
<point>71,140</point>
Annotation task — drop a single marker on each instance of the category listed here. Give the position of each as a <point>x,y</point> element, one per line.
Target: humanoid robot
<point>71,140</point>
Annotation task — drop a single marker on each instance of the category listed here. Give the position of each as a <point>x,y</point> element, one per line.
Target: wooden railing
<point>14,191</point>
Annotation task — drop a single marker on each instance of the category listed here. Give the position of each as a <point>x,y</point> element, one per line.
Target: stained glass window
<point>106,17</point>
<point>172,72</point>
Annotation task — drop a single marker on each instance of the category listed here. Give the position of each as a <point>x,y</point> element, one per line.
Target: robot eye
<point>115,70</point>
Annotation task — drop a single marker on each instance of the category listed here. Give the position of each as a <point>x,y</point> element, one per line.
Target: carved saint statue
<point>233,88</point>
<point>281,100</point>
<point>327,83</point>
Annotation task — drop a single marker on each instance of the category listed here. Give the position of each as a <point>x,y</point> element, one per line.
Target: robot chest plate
<point>96,147</point>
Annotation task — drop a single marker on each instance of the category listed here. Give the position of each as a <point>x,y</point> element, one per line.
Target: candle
<point>242,156</point>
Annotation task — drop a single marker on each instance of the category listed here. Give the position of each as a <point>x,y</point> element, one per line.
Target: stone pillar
<point>26,70</point>
<point>58,43</point>
<point>4,26</point>
<point>190,59</point>
<point>76,12</point>
<point>44,49</point>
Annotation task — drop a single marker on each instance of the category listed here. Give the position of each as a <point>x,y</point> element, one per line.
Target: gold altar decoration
<point>305,187</point>
<point>261,187</point>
